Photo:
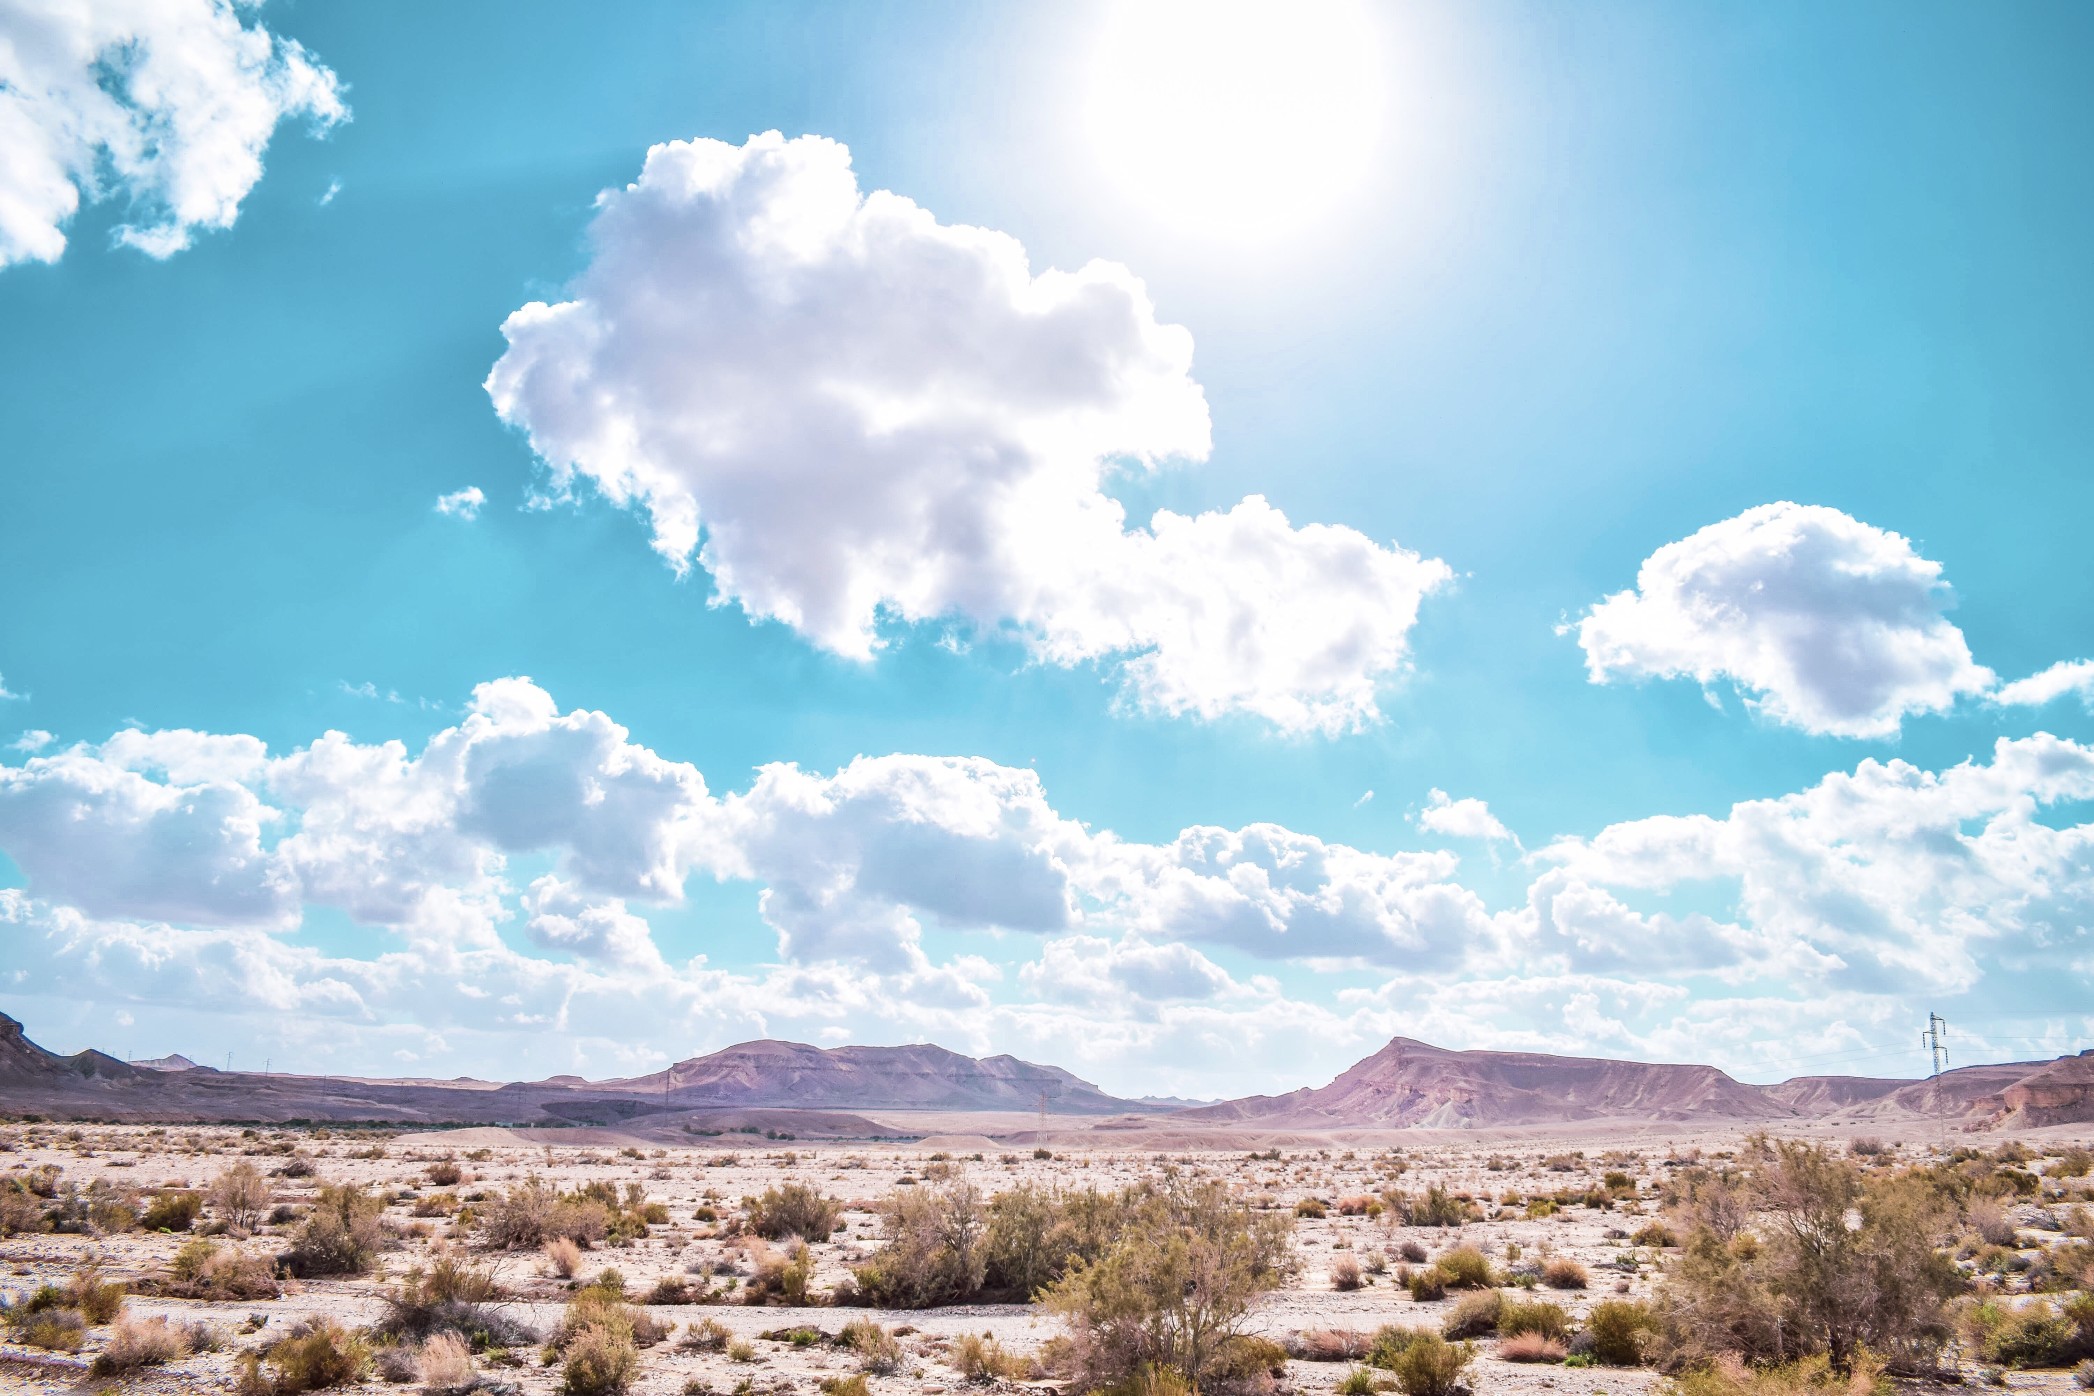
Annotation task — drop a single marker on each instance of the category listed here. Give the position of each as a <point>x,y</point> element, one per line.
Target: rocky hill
<point>919,1077</point>
<point>1411,1084</point>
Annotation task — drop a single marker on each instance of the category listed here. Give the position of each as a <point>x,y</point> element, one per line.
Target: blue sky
<point>1564,290</point>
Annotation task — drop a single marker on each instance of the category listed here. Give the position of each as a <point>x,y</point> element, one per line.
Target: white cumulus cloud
<point>849,413</point>
<point>2074,677</point>
<point>461,504</point>
<point>164,104</point>
<point>1825,623</point>
<point>1468,818</point>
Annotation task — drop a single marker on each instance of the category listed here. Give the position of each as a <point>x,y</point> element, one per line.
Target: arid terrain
<point>754,1238</point>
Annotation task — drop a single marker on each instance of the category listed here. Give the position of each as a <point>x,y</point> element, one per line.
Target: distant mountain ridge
<point>792,1089</point>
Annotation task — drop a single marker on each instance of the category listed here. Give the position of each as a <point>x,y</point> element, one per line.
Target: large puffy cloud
<point>167,104</point>
<point>511,866</point>
<point>1826,623</point>
<point>1889,876</point>
<point>846,411</point>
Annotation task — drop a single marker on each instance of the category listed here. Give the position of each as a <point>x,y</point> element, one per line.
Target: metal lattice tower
<point>1936,1040</point>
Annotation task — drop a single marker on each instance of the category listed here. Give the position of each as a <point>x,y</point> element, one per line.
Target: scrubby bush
<point>1435,1207</point>
<point>453,1296</point>
<point>340,1236</point>
<point>1429,1365</point>
<point>794,1209</point>
<point>1561,1272</point>
<point>535,1211</point>
<point>781,1277</point>
<point>172,1209</point>
<point>598,1361</point>
<point>2034,1334</point>
<point>1345,1272</point>
<point>1847,1262</point>
<point>985,1360</point>
<point>444,1173</point>
<point>1617,1332</point>
<point>564,1256</point>
<point>203,1270</point>
<point>317,1354</point>
<point>1535,1316</point>
<point>935,1249</point>
<point>1328,1345</point>
<point>444,1363</point>
<point>1427,1286</point>
<point>1465,1267</point>
<point>1532,1347</point>
<point>1474,1316</point>
<point>1176,1285</point>
<point>876,1349</point>
<point>1413,1252</point>
<point>238,1195</point>
<point>136,1343</point>
<point>1730,1375</point>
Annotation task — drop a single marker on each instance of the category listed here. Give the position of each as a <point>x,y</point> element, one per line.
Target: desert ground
<point>432,1183</point>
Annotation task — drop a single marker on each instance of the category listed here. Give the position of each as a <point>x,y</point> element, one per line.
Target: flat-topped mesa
<point>919,1077</point>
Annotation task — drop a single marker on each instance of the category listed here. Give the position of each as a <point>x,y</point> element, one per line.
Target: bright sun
<point>1238,120</point>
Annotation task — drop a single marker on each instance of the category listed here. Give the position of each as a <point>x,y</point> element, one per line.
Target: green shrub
<point>1538,1316</point>
<point>172,1210</point>
<point>1465,1267</point>
<point>341,1235</point>
<point>794,1209</point>
<point>985,1360</point>
<point>598,1360</point>
<point>1429,1365</point>
<point>1475,1315</point>
<point>1427,1286</point>
<point>935,1252</point>
<point>1360,1381</point>
<point>876,1349</point>
<point>1436,1207</point>
<point>1618,1331</point>
<point>1390,1341</point>
<point>317,1354</point>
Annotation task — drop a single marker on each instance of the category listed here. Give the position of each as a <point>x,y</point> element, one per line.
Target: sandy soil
<point>718,1173</point>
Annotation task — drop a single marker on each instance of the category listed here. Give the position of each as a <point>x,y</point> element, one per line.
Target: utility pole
<point>1936,1040</point>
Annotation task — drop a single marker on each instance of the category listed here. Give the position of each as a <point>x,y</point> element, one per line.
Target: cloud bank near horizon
<point>500,884</point>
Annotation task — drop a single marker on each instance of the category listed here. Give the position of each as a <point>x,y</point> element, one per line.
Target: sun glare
<point>1236,120</point>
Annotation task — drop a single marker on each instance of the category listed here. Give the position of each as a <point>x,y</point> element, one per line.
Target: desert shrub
<point>340,1236</point>
<point>137,1343</point>
<point>1656,1235</point>
<point>2036,1334</point>
<point>1464,1267</point>
<point>1535,1316</point>
<point>112,1207</point>
<point>1413,1252</point>
<point>853,1385</point>
<point>711,1335</point>
<point>2083,1375</point>
<point>238,1195</point>
<point>1246,1362</point>
<point>877,1350</point>
<point>1429,1365</point>
<point>598,1361</point>
<point>1360,1381</point>
<point>453,1296</point>
<point>1345,1273</point>
<point>1561,1272</point>
<point>444,1173</point>
<point>1867,1146</point>
<point>317,1354</point>
<point>1532,1347</point>
<point>46,1318</point>
<point>1176,1285</point>
<point>1730,1375</point>
<point>1312,1207</point>
<point>934,1252</point>
<point>1474,1316</point>
<point>2075,1162</point>
<point>535,1211</point>
<point>794,1209</point>
<point>1702,1199</point>
<point>19,1211</point>
<point>172,1209</point>
<point>97,1300</point>
<point>1618,1330</point>
<point>781,1277</point>
<point>1817,1281</point>
<point>1328,1345</point>
<point>1990,1221</point>
<point>985,1360</point>
<point>444,1363</point>
<point>601,1304</point>
<point>1435,1207</point>
<point>203,1270</point>
<point>564,1256</point>
<point>1427,1286</point>
<point>1360,1205</point>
